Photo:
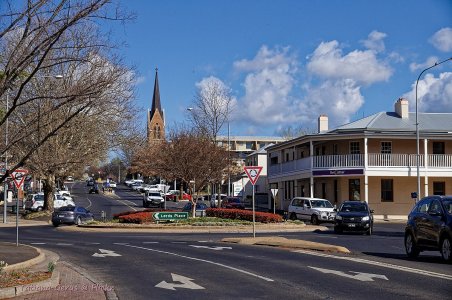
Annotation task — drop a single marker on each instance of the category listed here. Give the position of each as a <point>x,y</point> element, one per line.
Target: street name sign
<point>253,173</point>
<point>166,216</point>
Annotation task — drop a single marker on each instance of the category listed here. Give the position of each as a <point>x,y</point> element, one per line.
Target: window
<point>249,145</point>
<point>435,208</point>
<point>387,190</point>
<point>439,188</point>
<point>335,149</point>
<point>354,148</point>
<point>424,205</point>
<point>274,160</point>
<point>354,189</point>
<point>438,148</point>
<point>386,147</point>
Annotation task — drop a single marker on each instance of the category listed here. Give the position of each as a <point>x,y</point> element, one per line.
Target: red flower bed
<point>241,214</point>
<point>137,217</point>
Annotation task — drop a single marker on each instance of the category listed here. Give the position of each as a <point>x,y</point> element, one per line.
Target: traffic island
<point>277,241</point>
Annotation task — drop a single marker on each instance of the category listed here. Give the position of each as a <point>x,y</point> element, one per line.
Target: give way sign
<point>253,173</point>
<point>19,177</point>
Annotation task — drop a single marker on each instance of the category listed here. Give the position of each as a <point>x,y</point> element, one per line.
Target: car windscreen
<point>155,194</point>
<point>67,208</point>
<point>321,204</point>
<point>359,207</point>
<point>39,198</point>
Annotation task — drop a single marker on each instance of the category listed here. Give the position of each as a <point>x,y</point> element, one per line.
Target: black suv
<point>429,227</point>
<point>354,216</point>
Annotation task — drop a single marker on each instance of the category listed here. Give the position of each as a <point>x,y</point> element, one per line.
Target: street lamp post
<point>5,189</point>
<point>418,196</point>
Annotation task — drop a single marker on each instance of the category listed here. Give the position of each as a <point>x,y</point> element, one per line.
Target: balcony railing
<point>394,160</point>
<point>357,160</point>
<point>338,161</point>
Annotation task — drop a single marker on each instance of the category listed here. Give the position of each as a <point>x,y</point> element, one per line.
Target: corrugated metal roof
<point>390,121</point>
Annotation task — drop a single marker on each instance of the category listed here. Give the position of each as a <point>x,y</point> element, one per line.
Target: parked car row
<point>35,202</point>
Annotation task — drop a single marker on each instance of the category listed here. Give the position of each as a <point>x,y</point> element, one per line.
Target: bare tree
<point>69,121</point>
<point>212,107</point>
<point>42,38</point>
<point>291,132</point>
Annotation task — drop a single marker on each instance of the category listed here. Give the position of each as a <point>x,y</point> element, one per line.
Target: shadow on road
<point>423,258</point>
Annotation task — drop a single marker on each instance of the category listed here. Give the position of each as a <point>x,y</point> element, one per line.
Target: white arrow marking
<point>106,253</point>
<point>211,248</point>
<point>185,283</point>
<point>359,276</point>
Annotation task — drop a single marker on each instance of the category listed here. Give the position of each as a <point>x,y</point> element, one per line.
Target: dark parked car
<point>429,227</point>
<point>232,202</point>
<point>93,189</point>
<point>354,216</point>
<point>200,209</point>
<point>71,215</point>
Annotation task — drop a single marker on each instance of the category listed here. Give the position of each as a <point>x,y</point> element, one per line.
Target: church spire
<point>156,97</point>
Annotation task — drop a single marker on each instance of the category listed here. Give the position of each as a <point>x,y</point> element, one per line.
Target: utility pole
<point>5,193</point>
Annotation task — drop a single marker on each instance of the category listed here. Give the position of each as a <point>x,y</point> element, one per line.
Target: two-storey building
<point>373,159</point>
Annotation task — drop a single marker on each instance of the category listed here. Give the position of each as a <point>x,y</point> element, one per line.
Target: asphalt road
<point>169,266</point>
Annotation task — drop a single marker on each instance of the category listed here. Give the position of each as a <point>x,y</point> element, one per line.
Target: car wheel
<point>39,208</point>
<point>55,224</point>
<point>410,246</point>
<point>445,249</point>
<point>293,216</point>
<point>369,231</point>
<point>78,221</point>
<point>314,220</point>
<point>145,204</point>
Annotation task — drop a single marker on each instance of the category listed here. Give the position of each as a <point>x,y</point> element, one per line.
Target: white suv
<point>315,210</point>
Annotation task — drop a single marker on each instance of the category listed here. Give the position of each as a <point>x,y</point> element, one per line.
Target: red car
<point>232,202</point>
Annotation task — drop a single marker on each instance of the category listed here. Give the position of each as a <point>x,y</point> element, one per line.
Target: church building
<point>156,121</point>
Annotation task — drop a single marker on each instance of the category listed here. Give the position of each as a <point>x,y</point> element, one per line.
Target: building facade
<point>373,159</point>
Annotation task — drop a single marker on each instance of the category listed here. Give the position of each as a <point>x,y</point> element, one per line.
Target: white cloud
<point>338,99</point>
<point>214,86</point>
<point>268,85</point>
<point>434,93</point>
<point>363,67</point>
<point>442,39</point>
<point>429,62</point>
<point>375,41</point>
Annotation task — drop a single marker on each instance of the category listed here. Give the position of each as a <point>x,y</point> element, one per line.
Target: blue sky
<point>286,61</point>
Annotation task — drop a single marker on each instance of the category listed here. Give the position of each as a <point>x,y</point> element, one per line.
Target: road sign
<point>19,177</point>
<point>165,216</point>
<point>253,173</point>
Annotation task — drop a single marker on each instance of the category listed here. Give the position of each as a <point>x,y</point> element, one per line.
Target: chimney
<point>401,108</point>
<point>323,123</point>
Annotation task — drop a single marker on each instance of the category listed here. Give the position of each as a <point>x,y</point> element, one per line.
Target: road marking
<point>150,242</point>
<point>203,260</point>
<point>105,253</point>
<point>122,201</point>
<point>64,244</point>
<point>185,283</point>
<point>92,243</point>
<point>359,276</point>
<point>37,243</point>
<point>380,264</point>
<point>90,203</point>
<point>211,248</point>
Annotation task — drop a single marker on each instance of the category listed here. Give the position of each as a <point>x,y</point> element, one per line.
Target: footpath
<point>72,282</point>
